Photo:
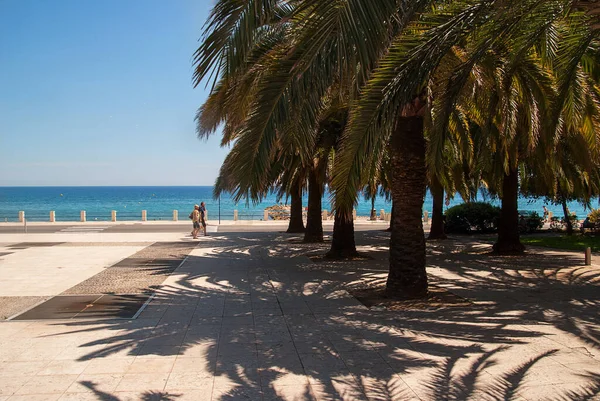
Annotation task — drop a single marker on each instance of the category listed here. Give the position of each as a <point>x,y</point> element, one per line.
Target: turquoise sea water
<point>67,202</point>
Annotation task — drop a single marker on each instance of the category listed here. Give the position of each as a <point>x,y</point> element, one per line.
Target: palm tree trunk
<point>314,223</point>
<point>407,277</point>
<point>391,218</point>
<point>296,224</point>
<point>568,221</point>
<point>342,244</point>
<point>436,231</point>
<point>508,228</point>
<point>373,216</point>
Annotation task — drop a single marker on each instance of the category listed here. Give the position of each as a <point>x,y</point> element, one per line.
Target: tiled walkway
<point>250,317</point>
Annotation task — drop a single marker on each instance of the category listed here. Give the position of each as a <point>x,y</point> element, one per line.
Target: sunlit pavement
<point>250,316</point>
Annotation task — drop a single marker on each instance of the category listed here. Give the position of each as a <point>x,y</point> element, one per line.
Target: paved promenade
<point>249,316</point>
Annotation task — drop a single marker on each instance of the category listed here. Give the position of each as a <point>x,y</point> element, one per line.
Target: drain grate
<point>106,306</point>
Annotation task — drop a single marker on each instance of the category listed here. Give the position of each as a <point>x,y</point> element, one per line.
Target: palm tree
<point>296,223</point>
<point>389,49</point>
<point>395,101</point>
<point>515,99</point>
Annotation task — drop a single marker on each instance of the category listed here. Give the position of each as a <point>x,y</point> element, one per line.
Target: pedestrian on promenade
<point>202,210</point>
<point>545,214</point>
<point>195,215</point>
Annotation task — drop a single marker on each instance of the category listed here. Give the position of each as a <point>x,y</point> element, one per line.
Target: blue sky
<point>100,93</point>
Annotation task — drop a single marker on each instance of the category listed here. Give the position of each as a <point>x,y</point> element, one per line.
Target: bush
<point>474,216</point>
<point>530,222</point>
<point>594,216</point>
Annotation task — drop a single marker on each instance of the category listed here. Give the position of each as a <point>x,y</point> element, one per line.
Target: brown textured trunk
<point>373,216</point>
<point>391,218</point>
<point>436,231</point>
<point>508,227</point>
<point>296,224</point>
<point>407,277</point>
<point>314,222</point>
<point>342,244</point>
<point>568,221</point>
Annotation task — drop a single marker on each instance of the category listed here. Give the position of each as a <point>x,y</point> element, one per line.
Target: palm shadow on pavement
<point>249,316</point>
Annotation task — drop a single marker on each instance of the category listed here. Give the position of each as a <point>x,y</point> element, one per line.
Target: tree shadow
<point>144,396</point>
<point>256,315</point>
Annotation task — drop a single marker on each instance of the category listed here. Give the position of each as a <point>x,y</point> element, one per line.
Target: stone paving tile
<point>314,345</point>
<point>237,321</point>
<point>9,385</point>
<point>12,369</point>
<point>110,365</point>
<point>386,388</point>
<point>267,312</point>
<point>281,377</point>
<point>237,349</point>
<point>228,388</point>
<point>320,361</point>
<point>35,397</point>
<point>38,353</point>
<point>206,350</point>
<point>190,381</point>
<point>52,384</point>
<point>286,364</point>
<point>88,383</point>
<point>299,393</point>
<point>143,382</point>
<point>152,365</point>
<point>193,365</point>
<point>80,397</point>
<point>283,346</point>
<point>234,362</point>
<point>191,395</point>
<point>337,388</point>
<point>64,367</point>
<point>81,353</point>
<point>152,350</point>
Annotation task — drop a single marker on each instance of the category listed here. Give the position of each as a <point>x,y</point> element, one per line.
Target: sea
<point>159,202</point>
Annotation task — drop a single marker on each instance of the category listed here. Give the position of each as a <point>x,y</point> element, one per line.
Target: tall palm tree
<point>395,101</point>
<point>390,49</point>
<point>284,96</point>
<point>518,100</point>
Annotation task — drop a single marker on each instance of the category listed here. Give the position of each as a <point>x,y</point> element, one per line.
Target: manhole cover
<point>100,306</point>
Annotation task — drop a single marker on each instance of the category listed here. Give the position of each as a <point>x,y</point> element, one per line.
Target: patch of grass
<point>573,243</point>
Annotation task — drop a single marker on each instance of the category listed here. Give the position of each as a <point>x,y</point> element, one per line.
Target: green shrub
<point>594,216</point>
<point>473,216</point>
<point>532,222</point>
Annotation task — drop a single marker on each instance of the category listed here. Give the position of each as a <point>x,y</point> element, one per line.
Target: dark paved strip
<point>25,245</point>
<point>87,306</point>
<point>45,229</point>
<point>150,228</point>
<point>142,272</point>
<point>5,253</point>
<point>111,244</point>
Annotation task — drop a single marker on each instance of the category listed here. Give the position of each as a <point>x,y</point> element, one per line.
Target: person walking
<point>195,221</point>
<point>202,211</point>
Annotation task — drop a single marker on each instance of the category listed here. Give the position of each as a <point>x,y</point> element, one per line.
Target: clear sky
<point>100,93</point>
